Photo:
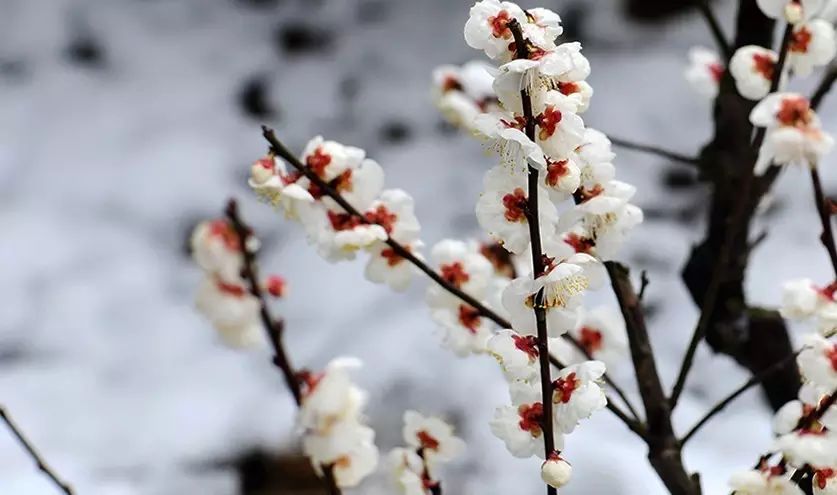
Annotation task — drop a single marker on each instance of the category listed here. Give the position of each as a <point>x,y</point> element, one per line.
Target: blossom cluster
<point>223,296</point>
<point>430,443</point>
<point>793,131</point>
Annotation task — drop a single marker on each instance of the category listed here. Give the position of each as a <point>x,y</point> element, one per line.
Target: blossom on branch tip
<point>813,44</point>
<point>488,29</point>
<point>753,68</point>
<point>792,11</point>
<point>216,248</point>
<point>232,310</point>
<point>555,471</point>
<point>794,135</point>
<point>704,71</point>
<point>818,362</point>
<point>463,93</point>
<point>433,436</point>
<point>408,471</point>
<point>271,181</point>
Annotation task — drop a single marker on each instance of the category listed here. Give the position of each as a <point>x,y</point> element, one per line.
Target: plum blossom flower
<point>349,447</point>
<point>232,310</point>
<point>601,332</point>
<point>788,416</point>
<point>463,267</point>
<point>407,470</point>
<point>464,330</point>
<point>502,209</point>
<point>792,11</point>
<point>824,481</point>
<point>330,397</point>
<point>704,71</point>
<point>433,436</point>
<point>753,68</point>
<point>815,448</point>
<point>800,299</point>
<point>488,29</point>
<point>772,481</point>
<point>793,134</point>
<point>504,133</point>
<point>271,181</point>
<point>517,354</point>
<point>813,44</point>
<point>559,129</point>
<point>577,394</point>
<point>216,248</point>
<point>555,471</point>
<point>519,425</point>
<point>386,266</point>
<point>818,361</point>
<point>561,179</point>
<point>563,284</point>
<point>463,93</point>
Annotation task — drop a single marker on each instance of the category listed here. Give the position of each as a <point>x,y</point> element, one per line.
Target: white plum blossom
<point>487,28</point>
<point>502,208</point>
<point>753,68</point>
<point>792,11</point>
<point>517,354</point>
<point>463,330</point>
<point>504,133</point>
<point>216,249</point>
<point>232,310</point>
<point>793,134</point>
<point>519,425</point>
<point>407,470</point>
<point>433,436</point>
<point>815,448</point>
<point>577,394</point>
<point>813,44</point>
<point>559,129</point>
<point>271,181</point>
<point>788,416</point>
<point>800,299</point>
<point>818,362</point>
<point>704,71</point>
<point>555,471</point>
<point>463,267</point>
<point>386,266</point>
<point>463,93</point>
<point>348,445</point>
<point>768,481</point>
<point>561,178</point>
<point>601,333</point>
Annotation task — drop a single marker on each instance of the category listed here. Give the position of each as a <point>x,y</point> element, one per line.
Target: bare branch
<point>827,236</point>
<point>654,150</point>
<point>33,453</point>
<point>715,27</point>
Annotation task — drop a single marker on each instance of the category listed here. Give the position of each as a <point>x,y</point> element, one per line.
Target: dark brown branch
<point>738,222</point>
<point>273,327</point>
<point>753,381</point>
<point>664,451</point>
<point>715,27</point>
<point>533,219</point>
<point>33,453</point>
<point>654,150</point>
<point>827,236</point>
<point>434,486</point>
<point>280,150</point>
<point>824,87</point>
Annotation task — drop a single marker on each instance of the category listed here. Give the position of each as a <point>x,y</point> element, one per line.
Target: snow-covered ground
<point>109,156</point>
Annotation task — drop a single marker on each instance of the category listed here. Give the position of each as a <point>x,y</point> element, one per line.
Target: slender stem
<point>434,486</point>
<point>33,453</point>
<point>824,87</point>
<point>827,236</point>
<point>282,151</point>
<point>738,221</point>
<point>533,219</point>
<point>715,27</point>
<point>753,381</point>
<point>655,150</point>
<point>273,327</point>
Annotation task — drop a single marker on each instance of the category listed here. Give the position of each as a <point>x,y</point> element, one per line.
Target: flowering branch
<point>827,236</point>
<point>824,87</point>
<point>533,219</point>
<point>655,150</point>
<point>753,381</point>
<point>737,223</point>
<point>273,327</point>
<point>282,151</point>
<point>33,453</point>
<point>664,450</point>
<point>715,27</point>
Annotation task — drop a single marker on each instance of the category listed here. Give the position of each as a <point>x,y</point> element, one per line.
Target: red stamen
<point>555,171</point>
<point>548,121</point>
<point>531,418</point>
<point>383,217</point>
<point>500,25</point>
<point>455,274</point>
<point>515,204</point>
<point>427,440</point>
<point>590,339</point>
<point>564,388</point>
<point>318,162</point>
<point>764,65</point>
<point>527,344</point>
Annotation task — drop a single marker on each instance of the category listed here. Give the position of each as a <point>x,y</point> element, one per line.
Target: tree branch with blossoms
<point>30,449</point>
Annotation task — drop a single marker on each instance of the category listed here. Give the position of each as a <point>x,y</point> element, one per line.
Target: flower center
<point>717,71</point>
<point>590,339</point>
<point>764,65</point>
<point>548,121</point>
<point>555,171</point>
<point>568,88</point>
<point>234,290</point>
<point>515,205</point>
<point>343,221</point>
<point>821,477</point>
<point>800,40</point>
<point>564,388</point>
<point>499,258</point>
<point>500,25</point>
<point>794,112</point>
<point>318,161</point>
<point>561,292</point>
<point>469,318</point>
<point>455,274</point>
<point>383,217</point>
<point>391,256</point>
<point>527,344</point>
<point>451,84</point>
<point>531,418</point>
<point>427,440</point>
<point>224,231</point>
<point>579,243</point>
<point>831,354</point>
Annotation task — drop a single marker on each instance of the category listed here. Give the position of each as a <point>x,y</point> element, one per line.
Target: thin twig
<point>273,327</point>
<point>753,381</point>
<point>737,222</point>
<point>654,150</point>
<point>282,151</point>
<point>533,219</point>
<point>643,284</point>
<point>33,453</point>
<point>827,236</point>
<point>715,27</point>
<point>824,87</point>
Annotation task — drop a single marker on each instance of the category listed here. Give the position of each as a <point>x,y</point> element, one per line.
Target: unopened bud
<point>262,170</point>
<point>556,472</point>
<point>276,286</point>
<point>793,12</point>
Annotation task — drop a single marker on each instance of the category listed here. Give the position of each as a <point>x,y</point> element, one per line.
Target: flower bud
<point>276,286</point>
<point>262,170</point>
<point>793,12</point>
<point>556,472</point>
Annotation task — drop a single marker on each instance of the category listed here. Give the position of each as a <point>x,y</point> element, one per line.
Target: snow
<point>105,167</point>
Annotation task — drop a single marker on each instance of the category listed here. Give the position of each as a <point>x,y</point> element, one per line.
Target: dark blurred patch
<point>684,214</point>
<point>265,474</point>
<point>297,39</point>
<point>13,69</point>
<point>253,98</point>
<point>260,4</point>
<point>372,11</point>
<point>12,354</point>
<point>574,20</point>
<point>679,178</point>
<point>85,51</point>
<point>187,225</point>
<point>445,128</point>
<point>395,132</point>
<point>349,88</point>
<point>655,10</point>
